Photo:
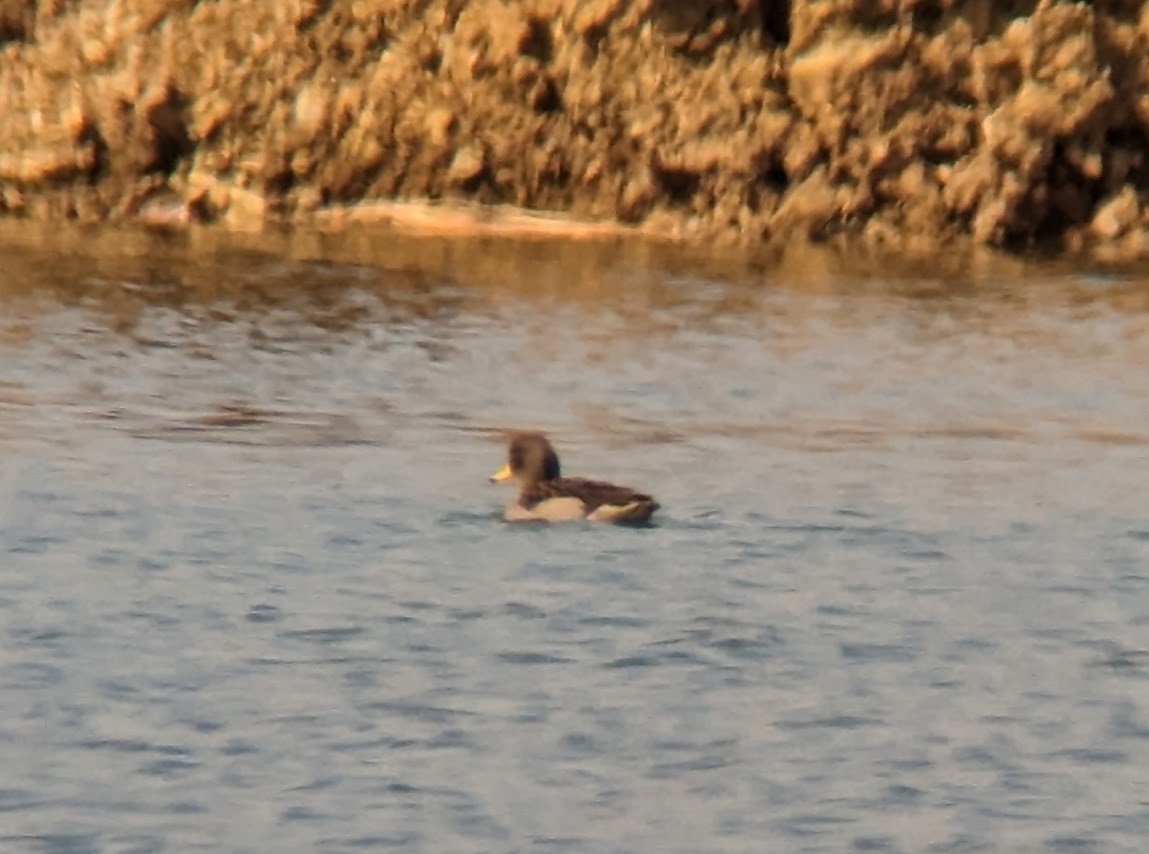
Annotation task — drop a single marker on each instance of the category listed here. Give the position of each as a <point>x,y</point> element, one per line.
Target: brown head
<point>530,459</point>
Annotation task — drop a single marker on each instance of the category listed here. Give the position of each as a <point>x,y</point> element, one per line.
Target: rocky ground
<point>903,123</point>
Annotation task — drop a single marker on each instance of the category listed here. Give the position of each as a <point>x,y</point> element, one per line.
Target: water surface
<point>255,595</point>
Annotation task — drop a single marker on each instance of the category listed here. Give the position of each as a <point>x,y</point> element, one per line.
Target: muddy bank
<point>732,122</point>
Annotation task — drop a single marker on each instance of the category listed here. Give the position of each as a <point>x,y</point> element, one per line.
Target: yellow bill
<point>502,475</point>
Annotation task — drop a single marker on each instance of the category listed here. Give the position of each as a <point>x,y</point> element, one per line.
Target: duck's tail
<point>636,512</point>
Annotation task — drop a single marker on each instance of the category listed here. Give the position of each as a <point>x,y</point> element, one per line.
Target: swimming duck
<point>546,496</point>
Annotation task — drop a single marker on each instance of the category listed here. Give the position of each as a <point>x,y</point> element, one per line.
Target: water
<point>255,595</point>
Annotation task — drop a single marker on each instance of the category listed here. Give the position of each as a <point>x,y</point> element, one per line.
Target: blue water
<point>255,595</point>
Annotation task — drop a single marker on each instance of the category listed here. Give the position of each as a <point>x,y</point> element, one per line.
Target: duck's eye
<point>515,458</point>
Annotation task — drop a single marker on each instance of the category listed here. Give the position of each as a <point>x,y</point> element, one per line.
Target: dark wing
<point>592,493</point>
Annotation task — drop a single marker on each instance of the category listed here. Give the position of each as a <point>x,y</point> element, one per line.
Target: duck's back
<point>602,501</point>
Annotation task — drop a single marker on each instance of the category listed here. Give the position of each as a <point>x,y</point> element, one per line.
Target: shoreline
<point>712,125</point>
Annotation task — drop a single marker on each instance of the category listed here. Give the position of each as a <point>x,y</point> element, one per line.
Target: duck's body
<point>546,496</point>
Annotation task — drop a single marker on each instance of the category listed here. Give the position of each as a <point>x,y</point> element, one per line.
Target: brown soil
<point>731,122</point>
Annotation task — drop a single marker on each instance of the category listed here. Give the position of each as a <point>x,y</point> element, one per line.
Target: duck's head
<point>530,459</point>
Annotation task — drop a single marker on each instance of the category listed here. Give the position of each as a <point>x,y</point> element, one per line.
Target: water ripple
<point>257,596</point>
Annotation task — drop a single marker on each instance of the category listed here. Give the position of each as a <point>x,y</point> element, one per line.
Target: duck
<point>546,496</point>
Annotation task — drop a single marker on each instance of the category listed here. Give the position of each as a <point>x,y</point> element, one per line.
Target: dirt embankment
<point>904,122</point>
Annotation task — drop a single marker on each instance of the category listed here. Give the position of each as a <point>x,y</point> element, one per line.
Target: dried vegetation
<point>903,122</point>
